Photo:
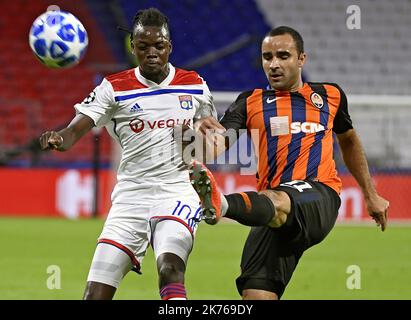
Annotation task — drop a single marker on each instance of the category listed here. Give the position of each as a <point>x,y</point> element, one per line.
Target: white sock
<point>224,205</point>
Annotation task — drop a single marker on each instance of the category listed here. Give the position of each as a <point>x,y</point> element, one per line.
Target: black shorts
<point>271,255</point>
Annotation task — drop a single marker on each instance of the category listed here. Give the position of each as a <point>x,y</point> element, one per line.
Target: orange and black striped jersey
<point>294,138</point>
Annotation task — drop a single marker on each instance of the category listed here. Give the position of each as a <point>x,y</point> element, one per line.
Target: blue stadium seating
<point>106,22</point>
<point>199,27</point>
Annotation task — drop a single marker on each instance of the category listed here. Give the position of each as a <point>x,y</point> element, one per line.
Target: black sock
<point>250,208</point>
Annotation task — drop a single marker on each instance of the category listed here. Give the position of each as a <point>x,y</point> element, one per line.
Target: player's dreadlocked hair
<point>299,42</point>
<point>151,17</point>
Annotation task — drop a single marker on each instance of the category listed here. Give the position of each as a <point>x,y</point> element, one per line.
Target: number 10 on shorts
<point>191,216</point>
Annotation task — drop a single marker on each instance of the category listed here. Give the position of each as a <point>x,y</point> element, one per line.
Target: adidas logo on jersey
<point>136,108</point>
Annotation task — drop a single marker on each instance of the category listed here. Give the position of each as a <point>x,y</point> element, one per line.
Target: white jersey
<point>141,115</point>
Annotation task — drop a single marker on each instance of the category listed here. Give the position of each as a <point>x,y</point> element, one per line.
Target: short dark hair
<point>151,17</point>
<point>299,42</point>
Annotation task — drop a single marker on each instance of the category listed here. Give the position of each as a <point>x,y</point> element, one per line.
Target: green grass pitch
<point>29,246</point>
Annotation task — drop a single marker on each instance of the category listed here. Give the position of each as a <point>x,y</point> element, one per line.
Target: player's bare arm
<point>354,158</point>
<point>212,136</point>
<point>67,137</point>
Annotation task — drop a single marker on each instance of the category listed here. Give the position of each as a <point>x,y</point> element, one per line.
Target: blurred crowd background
<point>364,46</point>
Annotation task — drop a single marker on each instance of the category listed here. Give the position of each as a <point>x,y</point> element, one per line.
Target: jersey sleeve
<point>235,116</point>
<point>342,120</point>
<point>99,105</point>
<point>206,108</point>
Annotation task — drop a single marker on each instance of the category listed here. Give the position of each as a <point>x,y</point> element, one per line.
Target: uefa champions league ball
<point>58,39</point>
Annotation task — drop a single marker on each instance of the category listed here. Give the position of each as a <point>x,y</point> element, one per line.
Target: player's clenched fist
<point>51,140</point>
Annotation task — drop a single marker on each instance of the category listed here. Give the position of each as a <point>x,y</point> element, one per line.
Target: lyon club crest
<point>186,102</point>
<point>317,100</point>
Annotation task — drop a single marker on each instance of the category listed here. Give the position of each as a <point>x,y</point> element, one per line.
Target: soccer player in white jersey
<point>153,201</point>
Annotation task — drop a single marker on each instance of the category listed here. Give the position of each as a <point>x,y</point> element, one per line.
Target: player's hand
<point>208,125</point>
<point>378,209</point>
<point>51,140</point>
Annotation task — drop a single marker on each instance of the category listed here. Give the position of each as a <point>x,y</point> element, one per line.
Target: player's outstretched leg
<point>206,187</point>
<point>248,208</point>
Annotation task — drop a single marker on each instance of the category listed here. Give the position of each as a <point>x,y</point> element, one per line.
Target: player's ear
<point>131,43</point>
<point>132,47</point>
<point>301,59</point>
<point>171,46</point>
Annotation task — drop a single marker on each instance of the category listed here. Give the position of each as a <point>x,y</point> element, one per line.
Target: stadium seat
<point>44,96</point>
<point>194,36</point>
<point>357,59</point>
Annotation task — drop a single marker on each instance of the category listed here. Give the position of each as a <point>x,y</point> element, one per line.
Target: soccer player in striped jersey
<point>153,201</point>
<point>297,202</point>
